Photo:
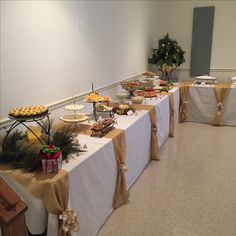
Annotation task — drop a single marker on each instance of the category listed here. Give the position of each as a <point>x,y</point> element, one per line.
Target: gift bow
<point>70,221</point>
<point>154,129</point>
<point>220,106</point>
<point>123,167</point>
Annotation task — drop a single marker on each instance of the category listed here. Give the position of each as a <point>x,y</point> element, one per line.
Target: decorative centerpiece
<point>167,57</point>
<point>51,157</point>
<point>18,152</point>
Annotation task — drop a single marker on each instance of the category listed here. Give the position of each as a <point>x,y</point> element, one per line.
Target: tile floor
<point>191,191</point>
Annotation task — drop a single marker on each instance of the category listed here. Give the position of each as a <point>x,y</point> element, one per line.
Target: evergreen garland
<point>66,140</point>
<point>20,154</point>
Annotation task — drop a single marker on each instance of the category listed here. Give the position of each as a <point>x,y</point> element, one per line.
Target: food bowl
<point>146,83</point>
<point>137,99</point>
<point>122,95</point>
<point>130,86</point>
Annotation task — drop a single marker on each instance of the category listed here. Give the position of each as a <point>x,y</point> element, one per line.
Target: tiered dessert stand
<point>74,117</point>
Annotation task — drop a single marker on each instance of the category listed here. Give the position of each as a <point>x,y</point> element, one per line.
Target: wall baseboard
<point>212,69</point>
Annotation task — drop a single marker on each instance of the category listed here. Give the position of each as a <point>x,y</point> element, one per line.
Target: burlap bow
<point>123,167</point>
<point>70,222</point>
<point>221,90</point>
<point>184,88</point>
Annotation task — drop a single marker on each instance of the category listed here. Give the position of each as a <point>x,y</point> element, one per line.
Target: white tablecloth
<point>92,175</point>
<point>202,105</point>
<point>92,179</point>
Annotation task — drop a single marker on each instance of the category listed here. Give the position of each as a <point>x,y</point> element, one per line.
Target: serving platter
<point>147,94</point>
<point>74,107</point>
<point>100,128</point>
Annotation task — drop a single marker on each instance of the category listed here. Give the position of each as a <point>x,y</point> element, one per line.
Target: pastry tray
<point>102,131</point>
<point>30,118</point>
<point>147,94</point>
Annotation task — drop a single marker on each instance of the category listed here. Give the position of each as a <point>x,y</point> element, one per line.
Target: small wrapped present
<point>51,157</point>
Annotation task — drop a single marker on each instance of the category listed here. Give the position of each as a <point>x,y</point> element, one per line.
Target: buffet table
<point>93,174</point>
<point>202,105</point>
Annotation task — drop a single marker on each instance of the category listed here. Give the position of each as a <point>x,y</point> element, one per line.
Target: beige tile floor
<point>190,192</point>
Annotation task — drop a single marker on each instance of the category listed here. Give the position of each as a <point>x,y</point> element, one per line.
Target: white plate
<point>74,117</point>
<point>74,107</point>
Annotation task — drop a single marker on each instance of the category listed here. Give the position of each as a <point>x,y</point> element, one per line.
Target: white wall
<point>51,50</point>
<point>177,19</point>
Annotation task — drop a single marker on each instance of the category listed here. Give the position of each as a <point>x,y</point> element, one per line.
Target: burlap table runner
<point>184,88</point>
<point>119,146</point>
<point>154,155</point>
<point>52,189</point>
<point>221,90</point>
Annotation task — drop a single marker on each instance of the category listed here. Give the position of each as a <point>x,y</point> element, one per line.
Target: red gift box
<point>51,157</point>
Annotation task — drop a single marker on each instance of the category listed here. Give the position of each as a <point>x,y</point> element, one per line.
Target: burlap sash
<point>184,87</point>
<point>172,113</point>
<point>154,155</point>
<point>119,146</point>
<point>52,189</point>
<point>221,92</point>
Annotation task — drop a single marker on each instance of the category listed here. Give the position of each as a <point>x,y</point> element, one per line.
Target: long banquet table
<point>92,175</point>
<point>202,105</point>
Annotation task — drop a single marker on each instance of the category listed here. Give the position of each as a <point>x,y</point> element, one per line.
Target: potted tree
<point>168,56</point>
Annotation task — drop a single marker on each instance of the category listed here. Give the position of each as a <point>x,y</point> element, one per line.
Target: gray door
<point>203,19</point>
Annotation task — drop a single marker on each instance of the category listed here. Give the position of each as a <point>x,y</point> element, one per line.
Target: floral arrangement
<point>168,54</point>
